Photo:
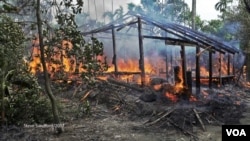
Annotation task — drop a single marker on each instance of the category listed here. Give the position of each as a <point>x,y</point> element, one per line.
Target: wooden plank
<point>169,40</point>
<point>121,83</point>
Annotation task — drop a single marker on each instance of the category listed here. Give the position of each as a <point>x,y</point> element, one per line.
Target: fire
<point>68,61</point>
<point>157,87</point>
<point>203,71</point>
<point>179,85</point>
<point>171,97</point>
<point>35,63</point>
<point>132,66</point>
<point>192,98</point>
<point>59,60</point>
<point>177,91</point>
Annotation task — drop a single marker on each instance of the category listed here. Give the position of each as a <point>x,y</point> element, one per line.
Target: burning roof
<point>176,33</point>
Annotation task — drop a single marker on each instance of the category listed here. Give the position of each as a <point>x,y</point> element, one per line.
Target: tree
<point>222,5</point>
<point>173,10</point>
<point>243,18</point>
<point>135,8</point>
<point>237,15</point>
<point>85,53</point>
<point>45,72</point>
<point>247,4</point>
<point>116,15</point>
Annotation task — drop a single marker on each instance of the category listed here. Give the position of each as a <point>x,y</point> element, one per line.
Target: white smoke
<point>96,8</point>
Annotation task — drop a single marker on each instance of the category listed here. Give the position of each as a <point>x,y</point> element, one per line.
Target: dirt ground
<point>106,122</point>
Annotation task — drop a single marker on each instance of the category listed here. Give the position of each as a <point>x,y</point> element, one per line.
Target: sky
<point>204,8</point>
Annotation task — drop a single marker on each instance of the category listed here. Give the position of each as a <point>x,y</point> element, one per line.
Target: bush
<point>26,104</point>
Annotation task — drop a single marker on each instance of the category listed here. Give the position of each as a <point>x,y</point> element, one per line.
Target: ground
<point>122,118</point>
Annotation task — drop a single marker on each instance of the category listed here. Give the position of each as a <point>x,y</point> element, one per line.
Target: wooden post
<point>228,64</point>
<point>197,70</point>
<point>166,60</point>
<point>210,68</point>
<point>220,69</point>
<point>183,59</point>
<point>114,51</point>
<point>171,65</point>
<point>177,70</point>
<point>233,65</point>
<point>189,80</point>
<point>141,61</point>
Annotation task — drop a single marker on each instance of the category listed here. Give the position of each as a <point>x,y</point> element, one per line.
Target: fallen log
<point>128,85</point>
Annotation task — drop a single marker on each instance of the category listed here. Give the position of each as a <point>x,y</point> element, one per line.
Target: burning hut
<point>151,51</point>
<point>163,49</point>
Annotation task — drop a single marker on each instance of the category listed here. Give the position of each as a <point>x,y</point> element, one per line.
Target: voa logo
<point>236,132</point>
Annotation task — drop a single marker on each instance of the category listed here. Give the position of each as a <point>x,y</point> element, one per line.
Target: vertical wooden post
<point>233,65</point>
<point>177,79</point>
<point>189,80</point>
<point>197,70</point>
<point>228,63</point>
<point>210,68</point>
<point>166,60</point>
<point>141,61</point>
<point>114,51</point>
<point>220,69</point>
<point>171,65</point>
<point>183,59</point>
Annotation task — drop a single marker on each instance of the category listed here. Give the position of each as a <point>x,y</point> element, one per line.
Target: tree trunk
<point>193,14</point>
<point>45,72</point>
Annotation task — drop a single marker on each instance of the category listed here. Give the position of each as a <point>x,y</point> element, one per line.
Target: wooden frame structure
<point>174,34</point>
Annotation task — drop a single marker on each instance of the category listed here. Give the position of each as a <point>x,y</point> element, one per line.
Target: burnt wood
<point>197,70</point>
<point>141,61</point>
<point>228,64</point>
<point>114,50</point>
<point>184,68</point>
<point>172,41</point>
<point>210,71</point>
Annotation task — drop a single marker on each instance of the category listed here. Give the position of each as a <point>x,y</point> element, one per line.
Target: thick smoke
<point>96,8</point>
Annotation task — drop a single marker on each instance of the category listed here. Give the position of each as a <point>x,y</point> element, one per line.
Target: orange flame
<point>171,97</point>
<point>179,85</point>
<point>59,60</point>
